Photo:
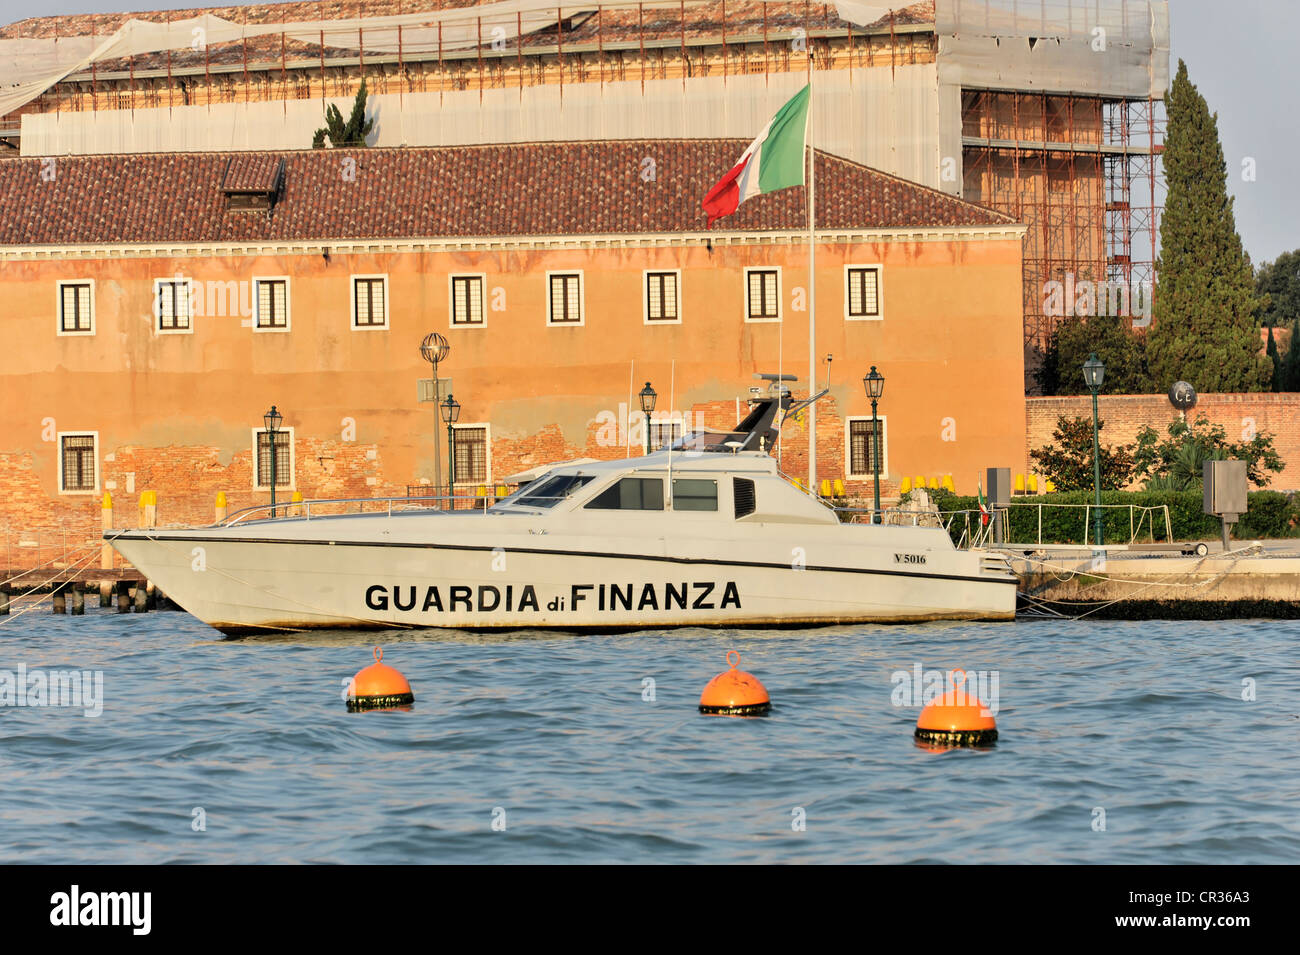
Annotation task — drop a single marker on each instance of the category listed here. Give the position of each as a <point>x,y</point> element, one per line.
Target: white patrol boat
<point>707,533</point>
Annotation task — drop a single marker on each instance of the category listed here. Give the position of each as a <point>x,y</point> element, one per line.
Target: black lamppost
<point>1093,374</point>
<point>874,383</point>
<point>272,421</point>
<point>648,397</point>
<point>450,413</point>
<point>433,349</point>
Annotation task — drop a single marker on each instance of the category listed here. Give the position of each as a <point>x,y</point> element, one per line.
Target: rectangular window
<point>272,304</point>
<point>631,494</point>
<point>77,462</point>
<point>467,300</point>
<point>370,301</point>
<point>862,297</point>
<point>564,304</point>
<point>762,295</point>
<point>76,308</point>
<point>283,458</point>
<point>663,434</point>
<point>172,305</point>
<point>692,494</point>
<point>862,449</point>
<point>742,496</point>
<point>662,303</point>
<point>471,457</point>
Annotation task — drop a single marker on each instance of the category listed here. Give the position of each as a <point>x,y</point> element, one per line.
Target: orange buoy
<point>734,692</point>
<point>958,718</point>
<point>378,687</point>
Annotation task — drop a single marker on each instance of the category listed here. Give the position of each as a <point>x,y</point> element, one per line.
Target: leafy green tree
<point>1175,463</point>
<point>1114,341</point>
<point>353,132</point>
<point>1291,362</point>
<point>1067,462</point>
<point>1205,328</point>
<point>1279,281</point>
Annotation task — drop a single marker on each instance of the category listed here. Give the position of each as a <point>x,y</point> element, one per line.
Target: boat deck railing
<point>336,506</point>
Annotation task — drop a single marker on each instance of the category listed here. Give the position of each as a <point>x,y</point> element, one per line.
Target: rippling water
<point>550,735</point>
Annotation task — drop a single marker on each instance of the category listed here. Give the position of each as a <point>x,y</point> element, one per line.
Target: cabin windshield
<point>550,491</point>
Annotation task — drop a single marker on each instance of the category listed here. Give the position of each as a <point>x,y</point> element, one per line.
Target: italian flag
<point>773,161</point>
<point>984,507</point>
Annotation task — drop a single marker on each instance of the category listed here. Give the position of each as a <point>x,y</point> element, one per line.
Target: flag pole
<point>812,288</point>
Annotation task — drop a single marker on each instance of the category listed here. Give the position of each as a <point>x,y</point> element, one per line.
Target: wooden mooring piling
<point>123,590</point>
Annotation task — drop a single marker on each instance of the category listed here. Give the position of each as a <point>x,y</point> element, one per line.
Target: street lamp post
<point>450,414</point>
<point>433,349</point>
<point>1094,372</point>
<point>874,383</point>
<point>272,421</point>
<point>648,397</point>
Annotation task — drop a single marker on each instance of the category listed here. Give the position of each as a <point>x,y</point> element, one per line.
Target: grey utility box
<point>999,484</point>
<point>1225,489</point>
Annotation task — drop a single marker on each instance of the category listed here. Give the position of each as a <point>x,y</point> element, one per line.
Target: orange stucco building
<point>156,306</point>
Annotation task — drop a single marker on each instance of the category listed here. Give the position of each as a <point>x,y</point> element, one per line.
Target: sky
<point>1239,54</point>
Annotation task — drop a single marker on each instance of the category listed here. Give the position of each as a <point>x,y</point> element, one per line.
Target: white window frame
<point>58,310</point>
<point>582,298</point>
<point>645,297</point>
<point>288,302</point>
<point>780,300</point>
<point>293,461</point>
<point>451,299</point>
<point>189,298</point>
<point>676,425</point>
<point>352,296</point>
<point>487,453</point>
<point>880,292</point>
<point>58,437</point>
<point>848,447</point>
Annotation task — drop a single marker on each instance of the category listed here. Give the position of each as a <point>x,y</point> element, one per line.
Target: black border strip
<point>136,535</point>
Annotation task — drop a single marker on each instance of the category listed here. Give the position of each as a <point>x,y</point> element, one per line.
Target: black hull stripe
<point>561,553</point>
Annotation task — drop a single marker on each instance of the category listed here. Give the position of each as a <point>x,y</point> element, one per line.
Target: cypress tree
<point>1276,359</point>
<point>1205,329</point>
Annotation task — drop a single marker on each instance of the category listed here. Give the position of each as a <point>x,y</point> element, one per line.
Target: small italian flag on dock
<point>984,506</point>
<point>773,161</point>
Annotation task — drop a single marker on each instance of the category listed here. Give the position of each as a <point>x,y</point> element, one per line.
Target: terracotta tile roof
<point>252,172</point>
<point>527,189</point>
<point>625,24</point>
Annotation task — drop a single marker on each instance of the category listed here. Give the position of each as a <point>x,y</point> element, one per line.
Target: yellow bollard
<point>1033,484</point>
<point>934,484</point>
<point>106,550</point>
<point>839,488</point>
<point>905,486</point>
<point>221,509</point>
<point>919,481</point>
<point>503,491</point>
<point>948,485</point>
<point>1048,487</point>
<point>826,487</point>
<point>295,504</point>
<point>1020,484</point>
<point>148,508</point>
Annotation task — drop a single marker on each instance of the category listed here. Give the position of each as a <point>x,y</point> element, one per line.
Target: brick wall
<point>1240,415</point>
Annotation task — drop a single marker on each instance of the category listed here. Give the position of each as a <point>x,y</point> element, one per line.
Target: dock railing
<point>969,530</point>
<point>477,501</point>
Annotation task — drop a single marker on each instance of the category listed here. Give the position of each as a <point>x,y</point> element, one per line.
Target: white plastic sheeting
<point>1097,47</point>
<point>28,67</point>
<point>885,119</point>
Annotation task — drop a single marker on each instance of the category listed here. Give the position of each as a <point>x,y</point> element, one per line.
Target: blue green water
<point>551,736</point>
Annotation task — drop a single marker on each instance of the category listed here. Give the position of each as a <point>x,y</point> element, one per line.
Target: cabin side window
<point>693,494</point>
<point>742,495</point>
<point>631,494</point>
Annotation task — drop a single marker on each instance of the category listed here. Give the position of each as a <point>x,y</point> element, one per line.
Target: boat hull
<point>245,585</point>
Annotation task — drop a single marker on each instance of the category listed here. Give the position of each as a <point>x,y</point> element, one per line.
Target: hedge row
<point>1271,514</point>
